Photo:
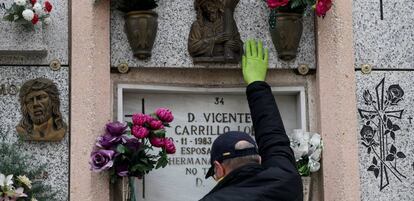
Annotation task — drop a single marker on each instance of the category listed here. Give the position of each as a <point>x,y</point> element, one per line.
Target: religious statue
<point>214,36</point>
<point>40,107</point>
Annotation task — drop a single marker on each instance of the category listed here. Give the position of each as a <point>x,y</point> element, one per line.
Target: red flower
<point>33,1</point>
<point>48,6</point>
<point>35,19</point>
<point>277,3</point>
<point>169,146</point>
<point>322,6</point>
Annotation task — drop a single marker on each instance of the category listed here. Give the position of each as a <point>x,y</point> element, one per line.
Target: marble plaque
<point>174,21</point>
<point>54,154</point>
<point>385,135</point>
<point>383,33</point>
<point>35,47</point>
<point>200,116</point>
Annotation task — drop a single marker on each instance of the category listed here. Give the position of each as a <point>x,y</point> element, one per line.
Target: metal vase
<point>307,182</point>
<point>286,34</point>
<point>141,30</point>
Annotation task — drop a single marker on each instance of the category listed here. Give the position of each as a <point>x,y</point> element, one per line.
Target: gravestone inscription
<point>199,119</point>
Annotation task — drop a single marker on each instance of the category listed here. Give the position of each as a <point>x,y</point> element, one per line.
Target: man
<point>40,107</point>
<point>244,171</point>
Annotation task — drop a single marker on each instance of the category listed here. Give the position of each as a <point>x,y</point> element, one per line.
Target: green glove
<point>255,62</point>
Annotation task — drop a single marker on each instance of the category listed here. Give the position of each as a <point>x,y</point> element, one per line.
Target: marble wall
<point>37,46</point>
<point>26,54</point>
<point>54,154</point>
<point>174,21</point>
<point>384,39</point>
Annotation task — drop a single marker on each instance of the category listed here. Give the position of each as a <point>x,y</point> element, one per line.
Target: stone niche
<point>54,154</point>
<point>385,135</point>
<point>200,115</point>
<point>19,45</point>
<point>174,23</point>
<point>383,34</point>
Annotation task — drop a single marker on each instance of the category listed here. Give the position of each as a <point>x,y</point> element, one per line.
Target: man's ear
<point>219,171</point>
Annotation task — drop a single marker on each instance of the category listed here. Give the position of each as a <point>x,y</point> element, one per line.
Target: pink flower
<point>277,3</point>
<point>157,141</point>
<point>35,19</point>
<point>48,6</point>
<point>322,6</point>
<point>164,114</point>
<point>169,146</point>
<point>140,119</point>
<point>140,131</point>
<point>156,124</point>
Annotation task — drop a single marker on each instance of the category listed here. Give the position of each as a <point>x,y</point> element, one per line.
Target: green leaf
<point>160,133</point>
<point>121,149</point>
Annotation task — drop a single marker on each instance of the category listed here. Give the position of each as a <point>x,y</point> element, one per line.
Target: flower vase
<point>124,189</point>
<point>286,30</point>
<point>141,30</point>
<point>306,181</point>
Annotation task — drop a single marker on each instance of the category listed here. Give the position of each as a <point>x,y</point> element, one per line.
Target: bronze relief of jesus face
<point>40,107</point>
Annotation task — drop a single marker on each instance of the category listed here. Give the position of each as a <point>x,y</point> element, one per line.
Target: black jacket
<point>276,179</point>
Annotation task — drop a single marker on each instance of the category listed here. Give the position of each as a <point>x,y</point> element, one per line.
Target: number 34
<point>219,101</point>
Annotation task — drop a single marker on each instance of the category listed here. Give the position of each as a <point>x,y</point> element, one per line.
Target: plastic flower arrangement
<point>20,178</point>
<point>307,148</point>
<point>15,188</point>
<point>129,152</point>
<point>321,7</point>
<point>29,12</point>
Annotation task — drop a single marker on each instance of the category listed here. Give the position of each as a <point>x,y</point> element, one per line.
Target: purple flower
<point>121,169</point>
<point>140,119</point>
<point>133,144</point>
<point>164,114</point>
<point>157,142</point>
<point>101,160</point>
<point>169,146</point>
<point>140,131</point>
<point>106,141</point>
<point>156,124</point>
<point>116,128</point>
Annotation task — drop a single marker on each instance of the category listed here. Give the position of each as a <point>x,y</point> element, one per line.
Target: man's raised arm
<point>273,143</point>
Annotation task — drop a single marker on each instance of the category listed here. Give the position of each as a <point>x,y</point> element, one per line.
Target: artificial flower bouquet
<point>29,12</point>
<point>307,148</point>
<point>299,6</point>
<point>15,188</point>
<point>130,152</point>
<point>20,178</point>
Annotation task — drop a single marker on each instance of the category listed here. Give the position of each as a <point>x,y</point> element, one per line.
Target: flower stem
<point>391,169</point>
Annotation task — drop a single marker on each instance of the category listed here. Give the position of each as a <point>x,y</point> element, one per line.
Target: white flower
<point>301,150</point>
<point>314,142</point>
<point>33,199</point>
<point>28,14</point>
<point>20,2</point>
<point>316,155</point>
<point>6,181</point>
<point>47,20</point>
<point>313,165</point>
<point>37,7</point>
<point>26,181</point>
<point>19,192</point>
